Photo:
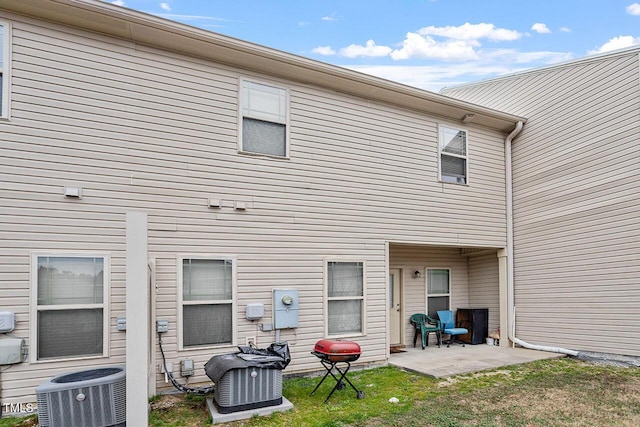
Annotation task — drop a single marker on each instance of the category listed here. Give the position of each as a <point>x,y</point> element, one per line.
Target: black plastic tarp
<point>276,356</point>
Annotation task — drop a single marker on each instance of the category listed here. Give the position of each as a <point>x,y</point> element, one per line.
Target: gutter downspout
<point>511,321</point>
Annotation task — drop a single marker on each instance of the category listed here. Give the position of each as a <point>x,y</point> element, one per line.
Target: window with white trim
<point>438,291</point>
<point>71,318</point>
<point>207,301</point>
<point>452,145</point>
<point>4,69</point>
<point>264,116</point>
<point>345,298</point>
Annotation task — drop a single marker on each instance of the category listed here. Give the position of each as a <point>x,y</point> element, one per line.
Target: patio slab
<point>445,362</point>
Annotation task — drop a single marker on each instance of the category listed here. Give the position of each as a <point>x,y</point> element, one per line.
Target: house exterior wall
<point>484,292</point>
<point>145,130</point>
<point>576,202</point>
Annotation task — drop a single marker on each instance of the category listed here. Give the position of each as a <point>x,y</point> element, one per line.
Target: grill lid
<point>337,347</point>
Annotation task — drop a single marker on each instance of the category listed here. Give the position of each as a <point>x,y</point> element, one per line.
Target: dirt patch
<point>166,402</point>
<point>30,422</point>
<point>451,381</point>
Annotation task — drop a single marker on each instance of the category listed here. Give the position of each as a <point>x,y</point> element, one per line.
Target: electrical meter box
<point>285,308</point>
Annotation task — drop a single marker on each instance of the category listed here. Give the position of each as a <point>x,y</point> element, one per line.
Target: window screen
<point>70,306</point>
<point>264,119</point>
<point>207,295</point>
<point>438,291</point>
<point>345,291</point>
<point>453,155</point>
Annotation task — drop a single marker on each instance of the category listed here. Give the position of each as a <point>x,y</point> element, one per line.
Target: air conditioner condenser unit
<point>95,397</point>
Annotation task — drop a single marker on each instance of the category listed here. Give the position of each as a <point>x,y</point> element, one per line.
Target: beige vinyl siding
<point>139,129</point>
<point>576,181</point>
<point>484,289</point>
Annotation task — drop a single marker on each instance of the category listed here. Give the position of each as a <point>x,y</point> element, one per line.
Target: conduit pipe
<point>511,330</point>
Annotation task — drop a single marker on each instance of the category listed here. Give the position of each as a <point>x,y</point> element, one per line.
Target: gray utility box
<point>285,308</point>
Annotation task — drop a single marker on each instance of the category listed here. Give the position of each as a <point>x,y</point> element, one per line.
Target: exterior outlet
<point>251,341</point>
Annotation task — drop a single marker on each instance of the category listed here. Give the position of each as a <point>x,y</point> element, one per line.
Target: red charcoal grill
<point>332,352</point>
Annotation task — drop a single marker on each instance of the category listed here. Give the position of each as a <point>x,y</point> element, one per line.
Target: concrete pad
<point>445,362</point>
<point>218,418</point>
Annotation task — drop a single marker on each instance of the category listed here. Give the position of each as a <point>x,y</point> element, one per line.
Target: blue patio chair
<point>449,328</point>
<point>423,326</point>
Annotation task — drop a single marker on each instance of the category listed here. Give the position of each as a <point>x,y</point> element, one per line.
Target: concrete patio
<point>445,362</point>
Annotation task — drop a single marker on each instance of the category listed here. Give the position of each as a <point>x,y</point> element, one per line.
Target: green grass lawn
<point>555,392</point>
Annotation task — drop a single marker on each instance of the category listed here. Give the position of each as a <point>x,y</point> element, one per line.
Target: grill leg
<point>343,376</point>
<point>329,367</point>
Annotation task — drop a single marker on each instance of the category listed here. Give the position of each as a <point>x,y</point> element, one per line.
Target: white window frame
<point>244,111</point>
<point>34,308</point>
<point>5,68</point>
<point>363,297</point>
<point>441,178</point>
<point>181,302</point>
<point>428,295</point>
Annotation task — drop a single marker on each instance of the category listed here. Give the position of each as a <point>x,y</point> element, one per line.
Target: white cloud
<point>165,6</point>
<point>118,2</point>
<point>616,43</point>
<point>370,50</point>
<point>540,28</point>
<point>324,50</point>
<point>417,46</point>
<point>303,23</point>
<point>329,18</point>
<point>451,43</point>
<point>633,9</point>
<point>565,29</point>
<point>469,31</point>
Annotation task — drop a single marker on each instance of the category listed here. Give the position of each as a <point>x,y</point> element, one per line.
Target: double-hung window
<point>206,301</point>
<point>345,298</point>
<point>70,316</point>
<point>453,155</point>
<point>438,291</point>
<point>264,117</point>
<point>4,68</point>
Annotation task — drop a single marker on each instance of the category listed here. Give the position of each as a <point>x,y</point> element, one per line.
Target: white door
<point>395,308</point>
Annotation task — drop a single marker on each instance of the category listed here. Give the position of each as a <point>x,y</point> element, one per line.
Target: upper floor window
<point>453,155</point>
<point>70,317</point>
<point>264,116</point>
<point>206,295</point>
<point>345,298</point>
<point>4,69</point>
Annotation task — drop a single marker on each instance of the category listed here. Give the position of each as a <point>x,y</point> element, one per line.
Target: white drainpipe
<point>511,322</point>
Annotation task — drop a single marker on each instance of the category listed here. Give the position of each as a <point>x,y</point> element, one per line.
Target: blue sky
<point>425,43</point>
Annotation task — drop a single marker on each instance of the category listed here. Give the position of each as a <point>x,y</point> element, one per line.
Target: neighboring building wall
<point>145,130</point>
<point>576,180</point>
